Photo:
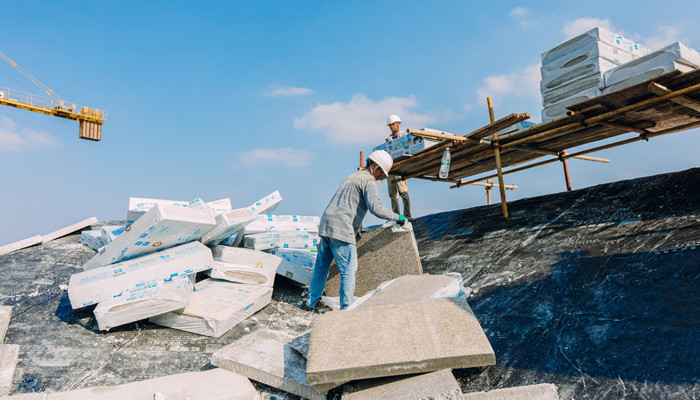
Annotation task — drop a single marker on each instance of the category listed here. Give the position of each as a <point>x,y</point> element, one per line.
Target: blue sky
<point>238,99</point>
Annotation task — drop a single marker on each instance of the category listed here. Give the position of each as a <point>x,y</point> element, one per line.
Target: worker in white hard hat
<point>397,185</point>
<point>340,225</point>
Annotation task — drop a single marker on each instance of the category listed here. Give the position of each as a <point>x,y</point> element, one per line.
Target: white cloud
<point>519,12</point>
<point>362,120</point>
<point>521,83</point>
<point>284,155</point>
<point>288,91</point>
<point>666,36</point>
<point>14,138</point>
<point>577,27</point>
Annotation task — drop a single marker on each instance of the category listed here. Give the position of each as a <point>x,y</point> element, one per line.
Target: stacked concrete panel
<point>676,56</point>
<point>104,283</point>
<point>216,306</point>
<point>396,339</point>
<point>573,71</point>
<point>244,265</point>
<point>160,228</point>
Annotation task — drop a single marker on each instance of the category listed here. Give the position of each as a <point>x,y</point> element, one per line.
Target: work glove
<point>402,219</point>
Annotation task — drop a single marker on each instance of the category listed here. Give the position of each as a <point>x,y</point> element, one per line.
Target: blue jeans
<point>345,255</point>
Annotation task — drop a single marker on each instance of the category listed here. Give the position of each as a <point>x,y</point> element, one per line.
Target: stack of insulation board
<point>148,270</point>
<point>294,238</point>
<point>573,71</point>
<point>405,145</point>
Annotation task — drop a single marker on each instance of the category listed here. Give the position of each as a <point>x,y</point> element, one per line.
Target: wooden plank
<point>499,125</point>
<point>436,135</point>
<point>661,90</point>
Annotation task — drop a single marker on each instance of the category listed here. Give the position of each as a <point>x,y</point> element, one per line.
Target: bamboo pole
<point>497,154</point>
<point>646,136</point>
<point>488,193</point>
<point>362,159</point>
<point>565,163</point>
<point>487,184</point>
<point>496,126</point>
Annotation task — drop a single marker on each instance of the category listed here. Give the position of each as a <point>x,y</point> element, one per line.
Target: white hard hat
<point>383,159</point>
<point>392,118</point>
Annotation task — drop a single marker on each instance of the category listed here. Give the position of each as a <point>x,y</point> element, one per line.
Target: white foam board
<point>21,244</point>
<point>144,302</point>
<point>591,84</point>
<point>160,228</point>
<point>280,223</point>
<point>139,205</point>
<point>586,53</point>
<point>559,109</point>
<point>92,239</point>
<point>216,306</point>
<point>267,204</point>
<point>240,265</point>
<point>674,56</point>
<point>601,34</point>
<point>227,224</point>
<point>103,283</point>
<point>297,264</point>
<point>68,230</point>
<point>276,240</point>
<point>109,232</point>
<point>405,145</point>
<point>591,68</point>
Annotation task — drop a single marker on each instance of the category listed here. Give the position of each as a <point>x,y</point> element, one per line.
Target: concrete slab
<point>545,391</point>
<point>265,356</point>
<point>396,339</point>
<point>227,224</point>
<point>439,385</point>
<point>161,227</point>
<point>100,284</point>
<point>214,384</point>
<point>9,353</point>
<point>381,256</point>
<point>216,306</point>
<point>68,229</point>
<point>5,315</point>
<point>244,265</point>
<point>144,302</point>
<point>21,244</point>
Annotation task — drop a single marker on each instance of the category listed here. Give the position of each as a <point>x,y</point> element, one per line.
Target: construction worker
<point>340,225</point>
<point>397,186</point>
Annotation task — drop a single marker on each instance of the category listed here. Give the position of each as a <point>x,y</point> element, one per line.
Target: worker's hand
<point>402,219</point>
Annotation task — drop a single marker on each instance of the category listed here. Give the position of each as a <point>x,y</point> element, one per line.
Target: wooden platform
<point>666,104</point>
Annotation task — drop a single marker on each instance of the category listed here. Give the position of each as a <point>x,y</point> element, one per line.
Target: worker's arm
<point>374,205</point>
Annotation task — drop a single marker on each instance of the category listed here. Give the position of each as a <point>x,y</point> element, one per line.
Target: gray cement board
<point>265,356</point>
<point>5,315</point>
<point>545,391</point>
<point>381,255</point>
<point>404,289</point>
<point>21,244</point>
<point>68,229</point>
<point>439,385</point>
<point>396,339</point>
<point>9,353</point>
<point>214,384</point>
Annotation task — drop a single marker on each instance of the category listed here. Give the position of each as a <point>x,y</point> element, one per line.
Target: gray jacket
<point>348,207</point>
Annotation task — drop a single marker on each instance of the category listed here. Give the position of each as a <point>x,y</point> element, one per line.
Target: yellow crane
<point>91,119</point>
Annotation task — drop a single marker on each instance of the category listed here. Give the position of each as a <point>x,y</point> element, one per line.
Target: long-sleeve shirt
<point>348,207</point>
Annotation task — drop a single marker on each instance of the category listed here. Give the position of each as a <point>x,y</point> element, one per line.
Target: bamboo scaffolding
<point>660,90</point>
<point>497,157</point>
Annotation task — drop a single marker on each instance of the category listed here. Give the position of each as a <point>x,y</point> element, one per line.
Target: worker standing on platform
<point>397,185</point>
<point>340,225</point>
